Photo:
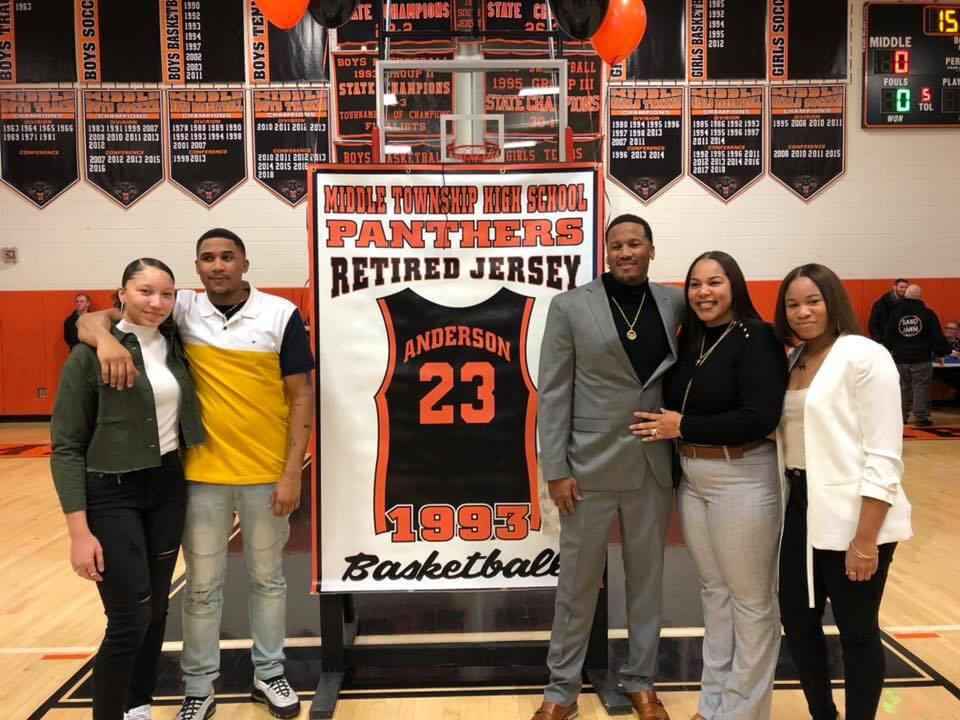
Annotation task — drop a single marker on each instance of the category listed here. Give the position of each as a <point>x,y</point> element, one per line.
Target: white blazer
<point>853,443</point>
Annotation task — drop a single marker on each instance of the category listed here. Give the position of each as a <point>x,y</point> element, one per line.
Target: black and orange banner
<point>424,16</point>
<point>726,138</point>
<point>528,98</point>
<point>355,93</point>
<point>660,55</point>
<point>807,40</point>
<point>37,42</point>
<point>416,98</point>
<point>291,130</point>
<point>118,41</point>
<point>546,150</point>
<point>726,40</point>
<point>201,42</point>
<point>38,142</point>
<point>295,55</point>
<point>646,139</point>
<point>208,151</point>
<point>807,137</point>
<point>405,152</point>
<point>122,137</point>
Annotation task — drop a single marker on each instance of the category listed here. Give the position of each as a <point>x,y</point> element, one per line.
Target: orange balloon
<point>621,31</point>
<point>285,14</point>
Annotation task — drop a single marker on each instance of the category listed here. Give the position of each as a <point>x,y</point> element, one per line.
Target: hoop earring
<point>123,307</point>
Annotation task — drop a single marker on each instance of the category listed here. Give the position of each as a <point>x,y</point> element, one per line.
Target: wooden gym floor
<point>51,621</point>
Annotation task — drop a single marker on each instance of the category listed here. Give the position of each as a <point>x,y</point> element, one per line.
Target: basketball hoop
<point>473,153</point>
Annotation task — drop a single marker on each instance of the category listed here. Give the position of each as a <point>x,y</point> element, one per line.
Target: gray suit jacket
<point>588,392</point>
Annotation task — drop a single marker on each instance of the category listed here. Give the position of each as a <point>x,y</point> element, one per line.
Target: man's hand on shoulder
<point>286,495</point>
<point>564,493</point>
<point>116,364</point>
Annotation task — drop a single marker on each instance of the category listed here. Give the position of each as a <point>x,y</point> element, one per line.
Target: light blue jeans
<point>210,510</point>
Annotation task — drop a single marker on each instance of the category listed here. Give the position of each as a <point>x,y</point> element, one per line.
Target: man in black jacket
<point>914,337</point>
<point>883,307</point>
<point>82,304</point>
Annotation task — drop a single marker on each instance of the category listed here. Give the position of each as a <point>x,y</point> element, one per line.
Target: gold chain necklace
<point>631,333</point>
<point>703,358</point>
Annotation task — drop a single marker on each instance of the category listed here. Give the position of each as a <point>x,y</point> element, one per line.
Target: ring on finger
<point>654,433</point>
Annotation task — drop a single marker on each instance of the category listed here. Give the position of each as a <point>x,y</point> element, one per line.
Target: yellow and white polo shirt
<point>238,364</point>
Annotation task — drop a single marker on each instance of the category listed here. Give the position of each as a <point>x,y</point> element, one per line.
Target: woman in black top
<point>724,397</point>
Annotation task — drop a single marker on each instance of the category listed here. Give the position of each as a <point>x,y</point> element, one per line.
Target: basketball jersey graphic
<point>456,410</point>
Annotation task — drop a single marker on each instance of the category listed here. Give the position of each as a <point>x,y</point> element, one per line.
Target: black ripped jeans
<point>138,519</point>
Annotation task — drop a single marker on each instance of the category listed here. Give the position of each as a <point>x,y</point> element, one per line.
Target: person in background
<point>117,470</point>
<point>724,398</point>
<point>81,305</point>
<point>951,332</point>
<point>251,361</point>
<point>884,305</point>
<point>915,340</point>
<point>840,444</point>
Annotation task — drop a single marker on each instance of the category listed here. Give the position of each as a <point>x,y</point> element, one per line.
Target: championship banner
<point>202,41</point>
<point>38,142</point>
<point>36,42</point>
<point>208,156</point>
<point>355,93</point>
<point>291,130</point>
<point>118,41</point>
<point>361,32</point>
<point>431,293</point>
<point>661,55</point>
<point>726,138</point>
<point>807,137</point>
<point>295,55</point>
<point>124,157</point>
<point>646,139</point>
<point>546,150</point>
<point>807,40</point>
<point>404,152</point>
<point>726,40</point>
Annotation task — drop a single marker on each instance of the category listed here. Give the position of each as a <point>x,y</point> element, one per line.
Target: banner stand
<point>339,654</point>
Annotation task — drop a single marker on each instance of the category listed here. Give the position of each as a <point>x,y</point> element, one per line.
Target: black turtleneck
<point>651,346</point>
<point>736,394</point>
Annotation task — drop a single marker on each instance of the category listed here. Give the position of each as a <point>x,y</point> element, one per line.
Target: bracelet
<point>861,555</point>
<point>679,423</point>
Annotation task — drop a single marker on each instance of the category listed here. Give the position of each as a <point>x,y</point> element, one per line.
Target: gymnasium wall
<point>894,213</point>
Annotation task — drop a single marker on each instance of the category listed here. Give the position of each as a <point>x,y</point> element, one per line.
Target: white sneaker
<point>141,712</point>
<point>197,708</point>
<point>278,696</point>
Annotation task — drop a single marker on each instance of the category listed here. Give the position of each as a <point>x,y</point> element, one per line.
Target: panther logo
<point>726,185</point>
<point>125,192</point>
<point>646,187</point>
<point>40,192</point>
<point>209,191</point>
<point>806,185</point>
<point>292,189</point>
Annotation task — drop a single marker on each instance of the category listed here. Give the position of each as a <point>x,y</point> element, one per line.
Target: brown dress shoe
<point>552,711</point>
<point>647,705</point>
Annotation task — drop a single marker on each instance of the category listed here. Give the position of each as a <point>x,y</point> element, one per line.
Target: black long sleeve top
<point>651,346</point>
<point>737,393</point>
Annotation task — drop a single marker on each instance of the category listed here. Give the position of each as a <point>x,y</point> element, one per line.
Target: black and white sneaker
<point>278,696</point>
<point>197,708</point>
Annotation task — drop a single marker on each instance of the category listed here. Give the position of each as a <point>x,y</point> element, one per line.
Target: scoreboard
<point>911,65</point>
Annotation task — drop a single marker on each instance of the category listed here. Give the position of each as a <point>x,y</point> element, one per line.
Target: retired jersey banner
<point>122,132</point>
<point>431,289</point>
<point>38,142</point>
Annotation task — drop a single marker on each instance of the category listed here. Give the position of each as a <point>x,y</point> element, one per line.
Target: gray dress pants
<point>644,515</point>
<point>732,518</point>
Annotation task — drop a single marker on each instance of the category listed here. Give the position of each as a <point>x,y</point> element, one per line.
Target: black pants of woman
<point>856,609</point>
<point>138,519</point>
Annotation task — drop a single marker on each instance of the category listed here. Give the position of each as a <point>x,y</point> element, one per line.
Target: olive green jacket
<point>95,428</point>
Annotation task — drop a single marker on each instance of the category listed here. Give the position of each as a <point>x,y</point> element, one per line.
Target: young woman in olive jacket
<point>116,467</point>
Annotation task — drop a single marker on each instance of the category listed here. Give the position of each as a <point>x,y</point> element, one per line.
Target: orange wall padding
<point>32,350</point>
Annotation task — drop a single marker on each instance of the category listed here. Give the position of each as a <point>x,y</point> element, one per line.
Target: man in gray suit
<point>605,349</point>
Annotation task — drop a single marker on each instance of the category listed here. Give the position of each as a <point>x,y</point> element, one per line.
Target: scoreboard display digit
<point>911,65</point>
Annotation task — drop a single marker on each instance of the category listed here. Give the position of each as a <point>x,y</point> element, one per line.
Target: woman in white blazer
<point>839,444</point>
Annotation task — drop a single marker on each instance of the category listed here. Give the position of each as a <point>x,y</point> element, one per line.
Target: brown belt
<point>717,452</point>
